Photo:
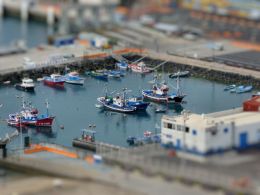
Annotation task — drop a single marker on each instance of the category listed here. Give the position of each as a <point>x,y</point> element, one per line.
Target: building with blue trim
<point>207,134</point>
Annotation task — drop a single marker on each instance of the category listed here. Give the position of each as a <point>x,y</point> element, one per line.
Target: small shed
<point>252,105</point>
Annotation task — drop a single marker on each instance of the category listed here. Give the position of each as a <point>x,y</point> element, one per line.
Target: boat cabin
<point>88,135</point>
<point>27,81</point>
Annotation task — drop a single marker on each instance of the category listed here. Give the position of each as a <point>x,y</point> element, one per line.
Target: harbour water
<point>12,29</point>
<point>74,108</point>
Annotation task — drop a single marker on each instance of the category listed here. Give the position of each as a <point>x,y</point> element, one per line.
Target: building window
<point>179,127</point>
<point>169,126</point>
<point>226,130</point>
<point>187,129</point>
<point>194,132</point>
<point>214,132</point>
<point>168,136</point>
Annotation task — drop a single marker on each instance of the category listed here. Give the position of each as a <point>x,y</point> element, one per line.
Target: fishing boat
<point>86,141</point>
<point>138,103</point>
<point>244,89</point>
<point>29,116</point>
<point>114,74</point>
<point>179,74</point>
<point>139,67</point>
<point>74,78</point>
<point>230,87</point>
<point>122,65</point>
<point>117,104</point>
<point>99,74</point>
<point>159,93</point>
<point>121,103</point>
<point>26,85</point>
<point>54,80</point>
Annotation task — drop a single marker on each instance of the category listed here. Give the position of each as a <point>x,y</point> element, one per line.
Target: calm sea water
<point>12,29</point>
<point>74,107</point>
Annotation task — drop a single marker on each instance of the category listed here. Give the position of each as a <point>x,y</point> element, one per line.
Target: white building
<point>211,133</point>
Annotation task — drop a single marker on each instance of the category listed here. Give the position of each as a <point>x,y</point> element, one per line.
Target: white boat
<point>26,85</point>
<point>140,68</point>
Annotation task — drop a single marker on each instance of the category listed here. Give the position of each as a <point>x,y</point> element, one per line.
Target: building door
<point>243,141</point>
<point>178,144</point>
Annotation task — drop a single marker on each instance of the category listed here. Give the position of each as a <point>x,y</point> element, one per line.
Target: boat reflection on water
<point>178,108</point>
<point>159,108</point>
<point>42,134</point>
<point>141,114</point>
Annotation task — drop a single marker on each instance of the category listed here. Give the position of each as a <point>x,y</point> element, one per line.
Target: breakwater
<point>85,64</point>
<point>198,72</point>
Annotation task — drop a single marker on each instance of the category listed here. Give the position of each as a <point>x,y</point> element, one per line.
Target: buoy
<point>61,126</point>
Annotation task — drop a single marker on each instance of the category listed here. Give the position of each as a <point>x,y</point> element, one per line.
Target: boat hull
<point>79,143</point>
<point>23,88</point>
<point>139,106</point>
<point>54,83</point>
<point>43,122</point>
<point>115,108</point>
<point>75,82</point>
<point>162,99</point>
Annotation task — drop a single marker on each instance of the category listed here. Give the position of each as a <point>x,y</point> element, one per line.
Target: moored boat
<point>86,141</point>
<point>114,74</point>
<point>74,78</point>
<point>179,74</point>
<point>54,80</point>
<point>244,89</point>
<point>122,65</point>
<point>230,87</point>
<point>26,85</point>
<point>116,104</point>
<point>99,74</point>
<point>138,103</point>
<point>29,116</point>
<point>159,93</point>
<point>121,103</point>
<point>139,67</point>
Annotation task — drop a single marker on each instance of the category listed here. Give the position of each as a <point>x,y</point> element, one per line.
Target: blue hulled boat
<point>138,103</point>
<point>244,89</point>
<point>74,78</point>
<point>230,87</point>
<point>122,65</point>
<point>99,74</point>
<point>122,104</point>
<point>159,93</point>
<point>115,73</point>
<point>116,104</point>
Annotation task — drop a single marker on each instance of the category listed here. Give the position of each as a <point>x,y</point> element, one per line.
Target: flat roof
<point>238,116</point>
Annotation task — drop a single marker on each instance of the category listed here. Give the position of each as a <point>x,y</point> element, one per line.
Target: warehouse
<point>211,133</point>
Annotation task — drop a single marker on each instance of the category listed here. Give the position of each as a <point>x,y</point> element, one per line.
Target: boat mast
<point>178,85</point>
<point>47,107</point>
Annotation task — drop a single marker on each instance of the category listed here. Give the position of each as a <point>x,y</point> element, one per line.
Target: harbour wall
<point>85,64</point>
<point>199,72</point>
